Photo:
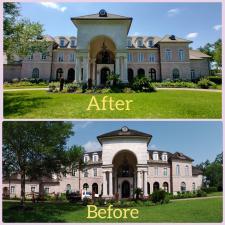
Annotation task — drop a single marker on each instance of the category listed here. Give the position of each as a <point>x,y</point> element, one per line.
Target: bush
<point>105,90</point>
<point>175,84</point>
<point>53,86</point>
<point>71,88</point>
<point>215,79</point>
<point>142,84</point>
<point>205,84</point>
<point>128,90</point>
<point>159,196</point>
<point>209,189</point>
<point>201,193</point>
<point>15,80</point>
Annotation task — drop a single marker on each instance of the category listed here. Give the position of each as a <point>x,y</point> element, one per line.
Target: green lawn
<point>196,210</point>
<point>161,104</point>
<point>6,87</point>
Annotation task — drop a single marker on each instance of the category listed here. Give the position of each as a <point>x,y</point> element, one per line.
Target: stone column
<point>125,78</point>
<point>94,71</point>
<point>145,183</point>
<point>104,184</point>
<point>77,70</point>
<point>139,179</point>
<point>86,70</point>
<point>117,70</point>
<point>110,184</point>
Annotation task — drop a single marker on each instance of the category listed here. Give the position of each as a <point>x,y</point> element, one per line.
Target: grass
<point>24,87</point>
<point>215,194</point>
<point>161,104</point>
<point>197,210</point>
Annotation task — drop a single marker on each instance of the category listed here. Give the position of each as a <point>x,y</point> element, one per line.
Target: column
<point>110,184</point>
<point>122,69</point>
<point>77,69</point>
<point>104,184</point>
<point>117,71</point>
<point>94,71</point>
<point>139,179</point>
<point>145,184</point>
<point>86,70</point>
<point>125,80</point>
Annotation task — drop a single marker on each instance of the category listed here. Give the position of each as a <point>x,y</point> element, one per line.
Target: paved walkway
<point>171,89</point>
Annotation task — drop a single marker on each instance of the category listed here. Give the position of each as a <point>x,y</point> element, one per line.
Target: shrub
<point>71,88</point>
<point>128,90</point>
<point>205,84</point>
<point>215,79</point>
<point>142,84</point>
<point>105,90</point>
<point>201,193</point>
<point>175,84</point>
<point>53,86</point>
<point>158,196</point>
<point>209,189</point>
<point>15,80</point>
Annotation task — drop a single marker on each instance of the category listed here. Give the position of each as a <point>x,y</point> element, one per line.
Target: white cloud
<point>217,27</point>
<point>54,5</point>
<point>173,12</point>
<point>136,34</point>
<point>192,35</point>
<point>91,146</point>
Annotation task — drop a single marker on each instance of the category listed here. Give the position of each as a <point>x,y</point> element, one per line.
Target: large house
<point>103,47</point>
<point>123,164</point>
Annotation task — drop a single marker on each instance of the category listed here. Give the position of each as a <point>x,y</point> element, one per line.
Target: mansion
<point>123,164</point>
<point>102,46</point>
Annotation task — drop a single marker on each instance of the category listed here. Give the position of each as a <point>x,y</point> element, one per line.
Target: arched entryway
<point>95,188</point>
<point>125,189</point>
<point>71,75</point>
<point>104,74</point>
<point>130,75</point>
<point>156,186</point>
<point>141,72</point>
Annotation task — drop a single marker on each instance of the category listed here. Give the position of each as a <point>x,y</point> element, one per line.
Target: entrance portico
<point>101,43</point>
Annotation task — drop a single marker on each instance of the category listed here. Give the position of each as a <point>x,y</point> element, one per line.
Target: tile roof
<point>196,54</point>
<point>170,39</point>
<point>96,16</point>
<point>196,171</point>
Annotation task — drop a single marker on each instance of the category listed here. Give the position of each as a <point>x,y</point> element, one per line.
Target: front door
<point>125,189</point>
<point>104,73</point>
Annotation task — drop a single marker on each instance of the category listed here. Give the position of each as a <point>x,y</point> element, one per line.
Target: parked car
<point>86,194</point>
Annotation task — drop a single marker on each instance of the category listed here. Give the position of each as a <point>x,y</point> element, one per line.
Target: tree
<point>218,52</point>
<point>35,149</point>
<point>21,37</point>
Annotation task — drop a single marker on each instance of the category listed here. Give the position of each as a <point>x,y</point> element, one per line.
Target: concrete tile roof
<point>196,54</point>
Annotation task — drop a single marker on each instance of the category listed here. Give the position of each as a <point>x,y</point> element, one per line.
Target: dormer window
<point>95,157</point>
<point>164,157</point>
<point>86,158</point>
<point>73,43</point>
<point>129,43</point>
<point>150,43</point>
<point>62,42</point>
<point>155,156</point>
<point>139,43</point>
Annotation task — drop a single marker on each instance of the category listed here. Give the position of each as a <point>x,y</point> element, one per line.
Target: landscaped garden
<point>192,210</point>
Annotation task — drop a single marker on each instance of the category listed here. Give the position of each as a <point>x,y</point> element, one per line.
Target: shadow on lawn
<point>21,103</point>
<point>38,212</point>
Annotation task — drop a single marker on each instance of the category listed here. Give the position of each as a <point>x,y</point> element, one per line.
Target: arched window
<point>68,187</point>
<point>177,170</point>
<point>85,186</point>
<point>35,73</point>
<point>95,188</point>
<point>148,188</point>
<point>193,186</point>
<point>71,75</point>
<point>183,187</point>
<point>141,72</point>
<point>130,75</point>
<point>152,73</point>
<point>166,186</point>
<point>59,73</point>
<point>129,43</point>
<point>176,74</point>
<point>156,186</point>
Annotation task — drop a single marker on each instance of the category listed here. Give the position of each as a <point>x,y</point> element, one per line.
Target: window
<point>61,42</point>
<point>12,189</point>
<point>60,57</point>
<point>152,74</point>
<point>46,190</point>
<point>164,157</point>
<point>130,75</point>
<point>43,56</point>
<point>141,72</point>
<point>86,158</point>
<point>32,189</point>
<point>73,43</point>
<point>129,57</point>
<point>151,57</point>
<point>183,187</point>
<point>176,74</point>
<point>74,172</point>
<point>140,57</point>
<point>95,172</point>
<point>139,43</point>
<point>181,54</point>
<point>85,173</point>
<point>30,57</point>
<point>177,170</point>
<point>186,171</point>
<point>168,55</point>
<point>165,186</point>
<point>165,172</point>
<point>85,186</point>
<point>192,74</point>
<point>150,43</point>
<point>129,43</point>
<point>59,73</point>
<point>155,156</point>
<point>68,187</point>
<point>35,73</point>
<point>156,171</point>
<point>193,187</point>
<point>95,158</point>
<point>72,57</point>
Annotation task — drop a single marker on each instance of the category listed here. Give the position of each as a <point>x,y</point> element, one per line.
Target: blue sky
<point>200,140</point>
<point>199,22</point>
